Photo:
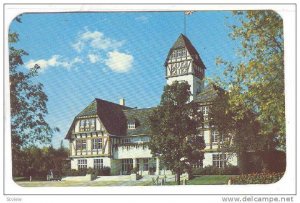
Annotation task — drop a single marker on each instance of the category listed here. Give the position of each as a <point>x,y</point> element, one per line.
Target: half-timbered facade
<point>116,136</point>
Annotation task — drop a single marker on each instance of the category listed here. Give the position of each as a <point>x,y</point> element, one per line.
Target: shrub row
<point>257,178</point>
<point>105,171</point>
<point>212,170</point>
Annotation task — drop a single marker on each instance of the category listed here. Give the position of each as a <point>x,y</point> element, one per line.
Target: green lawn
<point>210,180</point>
<point>207,180</point>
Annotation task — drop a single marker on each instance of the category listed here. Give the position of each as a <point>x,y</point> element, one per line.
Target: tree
<point>240,134</point>
<point>37,162</point>
<point>175,128</point>
<point>256,81</point>
<point>27,104</point>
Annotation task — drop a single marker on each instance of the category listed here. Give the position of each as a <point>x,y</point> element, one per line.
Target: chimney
<point>122,102</point>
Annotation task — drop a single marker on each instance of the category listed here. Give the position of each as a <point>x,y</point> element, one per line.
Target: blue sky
<point>113,55</point>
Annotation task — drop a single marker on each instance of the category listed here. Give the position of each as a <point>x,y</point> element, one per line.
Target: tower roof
<point>183,42</point>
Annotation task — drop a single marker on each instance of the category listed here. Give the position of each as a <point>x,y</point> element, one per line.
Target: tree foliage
<point>37,162</point>
<point>27,104</point>
<point>256,81</point>
<point>175,129</point>
<point>240,134</point>
<point>27,101</point>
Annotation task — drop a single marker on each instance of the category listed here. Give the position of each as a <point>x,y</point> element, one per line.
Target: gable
<point>110,114</point>
<point>184,43</point>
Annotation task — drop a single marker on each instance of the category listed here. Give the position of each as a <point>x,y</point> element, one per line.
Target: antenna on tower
<point>186,13</point>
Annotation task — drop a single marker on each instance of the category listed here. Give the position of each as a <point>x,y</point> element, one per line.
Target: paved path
<point>123,180</point>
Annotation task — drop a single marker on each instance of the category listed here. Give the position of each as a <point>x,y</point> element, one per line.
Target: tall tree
<point>174,125</point>
<point>256,81</point>
<point>239,134</point>
<point>27,102</point>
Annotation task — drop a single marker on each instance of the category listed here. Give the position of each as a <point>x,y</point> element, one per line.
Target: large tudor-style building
<point>116,136</point>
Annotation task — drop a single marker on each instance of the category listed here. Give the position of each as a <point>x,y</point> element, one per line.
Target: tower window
<point>205,110</point>
<point>215,135</point>
<point>131,125</point>
<point>179,53</point>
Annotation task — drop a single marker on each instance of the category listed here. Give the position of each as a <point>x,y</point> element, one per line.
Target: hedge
<point>257,178</point>
<point>105,171</point>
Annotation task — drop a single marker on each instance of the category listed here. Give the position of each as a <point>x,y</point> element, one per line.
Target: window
<point>80,144</point>
<point>206,124</point>
<point>126,140</point>
<point>215,136</point>
<point>205,110</point>
<point>179,53</point>
<point>98,163</point>
<point>92,123</point>
<point>87,125</point>
<point>82,124</point>
<point>82,163</point>
<point>145,167</point>
<point>97,143</point>
<point>138,164</point>
<point>131,125</point>
<point>127,165</point>
<point>83,144</point>
<point>219,160</point>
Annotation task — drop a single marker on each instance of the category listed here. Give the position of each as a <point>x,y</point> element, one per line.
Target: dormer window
<point>131,125</point>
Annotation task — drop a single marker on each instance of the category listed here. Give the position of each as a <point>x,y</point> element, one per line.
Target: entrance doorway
<point>127,165</point>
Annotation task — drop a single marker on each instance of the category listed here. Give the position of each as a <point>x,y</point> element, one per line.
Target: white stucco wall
<point>206,134</point>
<point>233,160</point>
<point>207,161</point>
<point>125,152</point>
<point>193,81</point>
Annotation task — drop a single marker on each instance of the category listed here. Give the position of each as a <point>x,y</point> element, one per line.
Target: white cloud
<point>93,58</point>
<point>78,46</point>
<point>96,40</point>
<point>54,61</point>
<point>119,62</point>
<point>142,19</point>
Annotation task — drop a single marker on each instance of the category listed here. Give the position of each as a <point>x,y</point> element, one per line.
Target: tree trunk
<point>178,178</point>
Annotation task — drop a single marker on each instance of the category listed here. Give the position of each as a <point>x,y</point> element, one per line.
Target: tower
<point>183,63</point>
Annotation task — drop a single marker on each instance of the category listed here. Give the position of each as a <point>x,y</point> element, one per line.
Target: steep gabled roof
<point>110,114</point>
<point>184,42</point>
<point>140,116</point>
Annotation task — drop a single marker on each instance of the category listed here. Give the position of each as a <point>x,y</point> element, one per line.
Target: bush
<point>257,178</point>
<point>212,170</point>
<point>105,171</point>
<point>134,170</point>
<point>263,161</point>
<point>73,172</point>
